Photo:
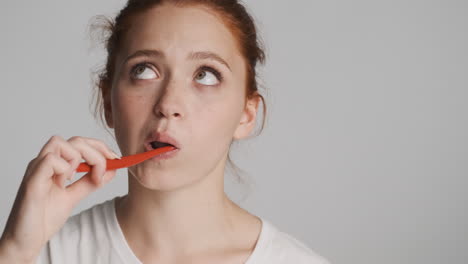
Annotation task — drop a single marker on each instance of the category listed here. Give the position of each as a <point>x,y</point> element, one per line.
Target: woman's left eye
<point>208,76</point>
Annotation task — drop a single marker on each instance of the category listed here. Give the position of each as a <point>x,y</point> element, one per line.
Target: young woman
<point>179,72</point>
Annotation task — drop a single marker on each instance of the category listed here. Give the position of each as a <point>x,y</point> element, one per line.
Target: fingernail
<point>115,155</point>
<point>71,176</point>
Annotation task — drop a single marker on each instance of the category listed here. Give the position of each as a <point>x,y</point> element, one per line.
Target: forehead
<point>177,31</point>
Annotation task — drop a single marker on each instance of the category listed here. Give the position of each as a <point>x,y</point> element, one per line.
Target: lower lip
<point>165,155</point>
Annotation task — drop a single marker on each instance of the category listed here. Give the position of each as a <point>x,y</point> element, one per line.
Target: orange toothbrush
<point>127,161</point>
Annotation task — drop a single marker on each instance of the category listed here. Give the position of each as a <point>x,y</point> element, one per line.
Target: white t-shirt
<point>94,236</point>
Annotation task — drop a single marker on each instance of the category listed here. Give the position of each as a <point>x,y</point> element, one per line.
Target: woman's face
<point>189,83</point>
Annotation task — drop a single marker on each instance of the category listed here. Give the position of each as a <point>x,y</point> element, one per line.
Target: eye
<point>208,76</point>
<point>144,71</point>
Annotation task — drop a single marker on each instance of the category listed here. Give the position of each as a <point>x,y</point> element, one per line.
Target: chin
<point>163,180</point>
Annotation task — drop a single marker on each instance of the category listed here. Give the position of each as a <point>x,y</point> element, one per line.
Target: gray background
<point>365,153</point>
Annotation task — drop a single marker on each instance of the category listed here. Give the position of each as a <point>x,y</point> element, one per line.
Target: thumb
<point>86,185</point>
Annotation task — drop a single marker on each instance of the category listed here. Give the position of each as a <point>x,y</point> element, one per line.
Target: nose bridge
<point>170,102</point>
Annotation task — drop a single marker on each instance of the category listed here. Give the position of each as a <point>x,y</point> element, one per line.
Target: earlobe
<point>248,118</point>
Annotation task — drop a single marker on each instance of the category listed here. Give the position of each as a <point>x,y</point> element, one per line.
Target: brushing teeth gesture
<point>44,201</point>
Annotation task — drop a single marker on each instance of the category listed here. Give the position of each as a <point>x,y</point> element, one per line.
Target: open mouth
<point>164,156</point>
<point>159,140</point>
<point>157,144</point>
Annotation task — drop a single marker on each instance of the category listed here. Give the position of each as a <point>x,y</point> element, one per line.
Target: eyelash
<point>212,70</point>
<point>204,67</point>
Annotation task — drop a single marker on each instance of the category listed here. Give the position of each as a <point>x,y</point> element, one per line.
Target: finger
<point>58,145</point>
<point>85,185</point>
<point>101,146</point>
<point>92,156</point>
<point>51,166</point>
<point>108,176</point>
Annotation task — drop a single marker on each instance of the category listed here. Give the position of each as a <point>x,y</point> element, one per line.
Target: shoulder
<point>295,250</point>
<point>285,248</point>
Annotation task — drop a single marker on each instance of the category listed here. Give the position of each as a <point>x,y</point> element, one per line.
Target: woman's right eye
<point>144,71</point>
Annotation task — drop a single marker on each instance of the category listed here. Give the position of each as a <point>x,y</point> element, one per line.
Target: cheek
<point>128,119</point>
<point>220,115</point>
<point>129,108</point>
<point>220,122</point>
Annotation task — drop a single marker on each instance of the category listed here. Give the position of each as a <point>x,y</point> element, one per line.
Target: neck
<point>184,221</point>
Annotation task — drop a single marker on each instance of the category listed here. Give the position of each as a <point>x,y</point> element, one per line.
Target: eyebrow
<point>198,55</point>
<point>202,55</point>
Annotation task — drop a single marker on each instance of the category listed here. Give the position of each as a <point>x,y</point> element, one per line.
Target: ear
<point>106,96</point>
<point>248,118</point>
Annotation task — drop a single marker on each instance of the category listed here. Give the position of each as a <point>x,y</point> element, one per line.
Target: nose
<point>170,103</point>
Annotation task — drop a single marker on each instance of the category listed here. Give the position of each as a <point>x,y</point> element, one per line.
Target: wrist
<point>9,253</point>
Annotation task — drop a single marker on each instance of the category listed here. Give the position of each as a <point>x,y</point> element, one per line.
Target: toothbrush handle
<point>127,161</point>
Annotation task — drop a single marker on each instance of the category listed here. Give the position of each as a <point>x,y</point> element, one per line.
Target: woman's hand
<point>44,202</point>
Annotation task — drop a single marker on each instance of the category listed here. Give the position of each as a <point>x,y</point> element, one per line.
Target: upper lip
<point>162,137</point>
